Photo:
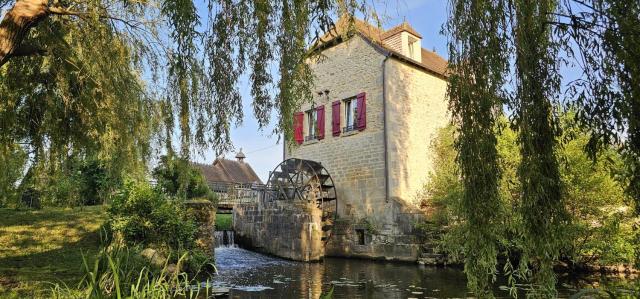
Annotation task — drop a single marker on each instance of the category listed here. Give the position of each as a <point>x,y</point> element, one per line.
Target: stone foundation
<point>288,229</point>
<point>385,240</point>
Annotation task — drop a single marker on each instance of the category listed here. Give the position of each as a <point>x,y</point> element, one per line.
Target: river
<point>253,275</point>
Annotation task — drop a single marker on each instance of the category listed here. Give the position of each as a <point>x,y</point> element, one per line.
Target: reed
<point>122,273</point>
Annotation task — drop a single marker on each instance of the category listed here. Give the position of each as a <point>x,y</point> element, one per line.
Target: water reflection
<point>253,275</point>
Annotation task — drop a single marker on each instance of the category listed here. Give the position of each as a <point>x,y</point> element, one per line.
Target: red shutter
<point>320,111</point>
<point>297,127</point>
<point>335,118</point>
<point>362,111</point>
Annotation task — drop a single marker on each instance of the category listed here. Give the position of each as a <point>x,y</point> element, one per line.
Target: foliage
<point>45,246</point>
<point>604,40</point>
<point>328,294</point>
<point>477,62</point>
<point>121,272</point>
<point>600,219</point>
<point>86,96</point>
<point>74,182</point>
<point>224,221</point>
<point>530,41</point>
<point>89,58</point>
<point>601,227</point>
<point>140,215</point>
<point>177,177</point>
<point>12,159</point>
<point>445,189</point>
<point>537,84</point>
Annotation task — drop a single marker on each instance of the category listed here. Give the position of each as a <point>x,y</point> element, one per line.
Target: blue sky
<point>262,150</point>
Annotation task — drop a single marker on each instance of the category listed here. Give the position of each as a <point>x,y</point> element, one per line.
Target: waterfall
<point>224,238</point>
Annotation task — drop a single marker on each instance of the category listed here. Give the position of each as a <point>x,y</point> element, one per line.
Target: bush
<point>600,227</point>
<point>224,222</point>
<point>140,215</point>
<point>177,177</point>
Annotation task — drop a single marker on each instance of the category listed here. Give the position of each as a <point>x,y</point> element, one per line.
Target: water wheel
<point>297,179</point>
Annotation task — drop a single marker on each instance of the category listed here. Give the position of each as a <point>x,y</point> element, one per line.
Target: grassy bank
<point>43,246</point>
<point>224,221</point>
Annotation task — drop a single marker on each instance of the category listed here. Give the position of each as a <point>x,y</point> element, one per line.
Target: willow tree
<point>477,62</point>
<point>537,85</point>
<point>530,41</point>
<point>606,35</point>
<point>105,74</point>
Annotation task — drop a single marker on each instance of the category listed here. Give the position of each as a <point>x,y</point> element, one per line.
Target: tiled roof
<point>431,61</point>
<point>402,27</point>
<point>229,171</point>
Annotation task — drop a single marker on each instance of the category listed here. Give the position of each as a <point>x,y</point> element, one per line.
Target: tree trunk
<point>15,25</point>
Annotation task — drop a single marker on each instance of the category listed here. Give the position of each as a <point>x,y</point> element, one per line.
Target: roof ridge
<point>404,26</point>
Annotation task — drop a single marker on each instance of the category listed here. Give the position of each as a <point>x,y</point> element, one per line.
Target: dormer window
<point>405,40</point>
<point>414,47</point>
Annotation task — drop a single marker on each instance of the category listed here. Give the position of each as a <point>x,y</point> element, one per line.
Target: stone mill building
<point>380,99</point>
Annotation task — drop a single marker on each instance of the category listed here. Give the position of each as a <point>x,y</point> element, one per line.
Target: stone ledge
<point>309,142</point>
<point>349,133</point>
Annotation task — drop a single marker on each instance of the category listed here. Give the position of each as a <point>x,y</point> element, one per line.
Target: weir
<point>225,238</point>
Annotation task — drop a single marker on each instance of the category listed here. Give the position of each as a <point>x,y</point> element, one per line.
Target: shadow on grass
<point>46,248</point>
<point>35,218</point>
<point>28,274</point>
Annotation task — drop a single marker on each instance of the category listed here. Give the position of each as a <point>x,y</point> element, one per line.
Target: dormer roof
<point>400,28</point>
<point>430,62</point>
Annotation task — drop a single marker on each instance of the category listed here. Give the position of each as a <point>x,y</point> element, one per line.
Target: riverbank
<point>38,247</point>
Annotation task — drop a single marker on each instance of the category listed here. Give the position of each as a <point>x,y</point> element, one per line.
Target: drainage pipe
<point>384,124</point>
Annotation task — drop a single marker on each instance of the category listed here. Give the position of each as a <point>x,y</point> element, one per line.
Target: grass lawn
<point>43,246</point>
<point>224,221</point>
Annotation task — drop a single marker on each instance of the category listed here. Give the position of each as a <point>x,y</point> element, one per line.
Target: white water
<point>224,238</point>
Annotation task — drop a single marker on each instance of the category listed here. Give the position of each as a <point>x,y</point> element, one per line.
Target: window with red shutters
<point>298,119</point>
<point>361,120</point>
<point>335,118</point>
<point>320,111</point>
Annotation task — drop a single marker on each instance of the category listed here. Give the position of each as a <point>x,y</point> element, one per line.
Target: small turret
<point>240,156</point>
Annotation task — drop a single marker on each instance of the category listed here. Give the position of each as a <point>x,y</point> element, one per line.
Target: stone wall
<point>204,213</point>
<point>288,229</point>
<point>393,240</point>
<point>416,108</point>
<point>356,160</point>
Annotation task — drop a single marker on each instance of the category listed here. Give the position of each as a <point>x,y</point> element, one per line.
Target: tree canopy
<point>89,73</point>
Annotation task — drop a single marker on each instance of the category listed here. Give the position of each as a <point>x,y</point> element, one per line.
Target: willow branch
<point>83,15</point>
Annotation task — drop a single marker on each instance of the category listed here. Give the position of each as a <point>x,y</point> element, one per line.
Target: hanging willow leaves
<point>607,95</point>
<point>477,64</point>
<point>606,37</point>
<point>81,74</point>
<point>186,57</point>
<point>537,84</point>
